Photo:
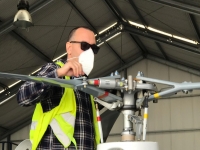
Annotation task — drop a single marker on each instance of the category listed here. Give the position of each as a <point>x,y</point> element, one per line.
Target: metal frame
<point>196,28</point>
<point>9,145</point>
<point>178,5</point>
<point>192,10</point>
<point>138,13</point>
<point>122,20</point>
<point>162,50</point>
<point>146,25</point>
<point>134,32</point>
<point>140,45</point>
<point>3,129</point>
<point>161,39</point>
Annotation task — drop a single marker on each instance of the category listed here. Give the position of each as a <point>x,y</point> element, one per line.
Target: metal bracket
<point>111,106</point>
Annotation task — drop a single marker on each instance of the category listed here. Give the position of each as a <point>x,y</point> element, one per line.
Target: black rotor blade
<point>108,119</point>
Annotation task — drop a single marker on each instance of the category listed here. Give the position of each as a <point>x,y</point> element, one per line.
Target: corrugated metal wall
<point>174,122</point>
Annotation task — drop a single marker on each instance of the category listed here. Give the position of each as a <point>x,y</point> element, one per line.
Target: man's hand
<point>71,68</point>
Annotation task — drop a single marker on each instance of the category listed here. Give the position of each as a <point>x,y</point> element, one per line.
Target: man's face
<point>80,35</point>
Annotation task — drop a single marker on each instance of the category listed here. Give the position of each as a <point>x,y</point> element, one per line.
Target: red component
<point>104,95</point>
<point>96,82</point>
<point>98,118</point>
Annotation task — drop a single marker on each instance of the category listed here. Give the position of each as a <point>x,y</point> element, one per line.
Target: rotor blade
<point>51,81</point>
<point>96,92</point>
<point>108,119</point>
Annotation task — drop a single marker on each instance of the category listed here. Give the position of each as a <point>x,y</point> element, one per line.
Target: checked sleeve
<point>30,92</point>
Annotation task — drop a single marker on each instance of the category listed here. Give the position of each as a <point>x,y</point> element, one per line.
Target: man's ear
<point>68,48</point>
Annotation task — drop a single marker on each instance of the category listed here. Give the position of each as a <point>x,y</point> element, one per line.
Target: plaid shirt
<point>31,93</point>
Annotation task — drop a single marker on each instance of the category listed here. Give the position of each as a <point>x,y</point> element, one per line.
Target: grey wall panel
<point>159,116</point>
<point>196,112</point>
<point>140,66</point>
<point>182,141</point>
<point>181,113</point>
<point>21,134</point>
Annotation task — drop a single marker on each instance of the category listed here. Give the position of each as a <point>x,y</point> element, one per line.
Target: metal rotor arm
<point>185,87</point>
<point>111,106</point>
<point>115,82</point>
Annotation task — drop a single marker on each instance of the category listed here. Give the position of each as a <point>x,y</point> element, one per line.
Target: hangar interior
<point>158,37</point>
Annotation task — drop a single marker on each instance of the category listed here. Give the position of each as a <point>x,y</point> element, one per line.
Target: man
<point>53,126</point>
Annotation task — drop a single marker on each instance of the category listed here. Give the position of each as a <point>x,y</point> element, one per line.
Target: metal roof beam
<point>154,36</point>
<point>162,50</point>
<point>119,16</point>
<point>8,25</point>
<point>115,11</point>
<point>88,22</point>
<point>80,14</point>
<point>179,5</point>
<point>196,27</point>
<point>30,46</point>
<point>135,38</point>
<point>161,38</point>
<point>117,55</point>
<point>3,129</point>
<point>146,25</point>
<point>140,45</point>
<point>138,13</point>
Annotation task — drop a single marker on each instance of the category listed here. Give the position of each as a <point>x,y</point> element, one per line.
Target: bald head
<point>80,34</point>
<point>74,30</point>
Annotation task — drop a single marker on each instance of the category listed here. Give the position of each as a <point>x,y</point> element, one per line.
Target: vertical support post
<point>145,118</point>
<point>3,146</point>
<point>128,110</point>
<point>8,143</point>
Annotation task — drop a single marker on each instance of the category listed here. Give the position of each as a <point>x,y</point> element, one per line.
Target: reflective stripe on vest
<point>95,123</point>
<point>61,119</point>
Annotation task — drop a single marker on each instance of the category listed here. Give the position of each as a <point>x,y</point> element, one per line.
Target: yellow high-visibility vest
<point>61,119</point>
